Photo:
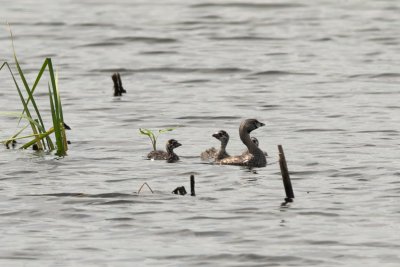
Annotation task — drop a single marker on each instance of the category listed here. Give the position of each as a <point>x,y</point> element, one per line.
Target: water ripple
<point>208,118</point>
<point>143,39</point>
<point>319,213</point>
<point>279,73</point>
<point>319,130</point>
<point>249,5</point>
<point>387,75</point>
<point>101,25</point>
<point>247,38</point>
<point>50,23</point>
<point>176,70</point>
<point>101,44</point>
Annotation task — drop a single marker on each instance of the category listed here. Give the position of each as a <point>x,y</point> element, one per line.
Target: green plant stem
<point>40,136</point>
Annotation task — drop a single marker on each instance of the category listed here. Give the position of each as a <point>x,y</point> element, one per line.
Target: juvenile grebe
<point>255,141</point>
<point>213,153</point>
<point>255,157</point>
<point>168,155</point>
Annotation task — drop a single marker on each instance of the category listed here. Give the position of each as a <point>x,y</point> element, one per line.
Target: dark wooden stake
<point>118,89</point>
<point>192,193</point>
<point>114,77</point>
<point>121,88</point>
<point>285,175</point>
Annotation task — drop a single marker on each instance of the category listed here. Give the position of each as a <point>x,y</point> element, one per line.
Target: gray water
<point>323,75</point>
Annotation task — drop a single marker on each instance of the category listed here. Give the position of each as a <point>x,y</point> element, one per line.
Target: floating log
<point>192,183</point>
<point>285,175</point>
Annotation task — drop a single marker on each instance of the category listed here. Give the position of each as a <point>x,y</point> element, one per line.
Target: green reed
<point>152,136</point>
<point>31,112</point>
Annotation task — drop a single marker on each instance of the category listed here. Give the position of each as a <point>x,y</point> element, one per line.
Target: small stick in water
<point>147,186</point>
<point>118,89</point>
<point>285,175</point>
<point>192,193</point>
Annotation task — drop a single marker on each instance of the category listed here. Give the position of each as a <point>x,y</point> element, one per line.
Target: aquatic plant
<point>41,136</point>
<point>153,137</point>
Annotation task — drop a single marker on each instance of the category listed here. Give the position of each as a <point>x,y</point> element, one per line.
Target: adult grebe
<point>255,157</point>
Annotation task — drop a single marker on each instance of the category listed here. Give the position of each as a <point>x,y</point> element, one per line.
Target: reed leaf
<point>42,137</point>
<point>22,116</point>
<point>39,136</point>
<point>56,125</point>
<point>26,109</point>
<point>166,130</point>
<point>41,145</point>
<point>61,116</point>
<point>15,136</point>
<point>153,138</point>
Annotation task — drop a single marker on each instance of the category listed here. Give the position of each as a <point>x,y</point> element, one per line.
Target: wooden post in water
<point>121,88</point>
<point>285,175</point>
<point>117,92</point>
<point>118,89</point>
<point>192,193</point>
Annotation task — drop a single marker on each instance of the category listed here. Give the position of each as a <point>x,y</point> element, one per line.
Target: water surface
<point>323,76</point>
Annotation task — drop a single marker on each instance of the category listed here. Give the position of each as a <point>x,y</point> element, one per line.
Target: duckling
<point>213,153</point>
<point>255,141</point>
<point>255,157</point>
<point>169,155</point>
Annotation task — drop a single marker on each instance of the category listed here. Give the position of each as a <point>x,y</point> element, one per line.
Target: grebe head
<point>172,143</point>
<point>222,136</point>
<point>250,125</point>
<point>255,141</point>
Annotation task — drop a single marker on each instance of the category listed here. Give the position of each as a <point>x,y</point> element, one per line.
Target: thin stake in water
<point>192,184</point>
<point>285,175</point>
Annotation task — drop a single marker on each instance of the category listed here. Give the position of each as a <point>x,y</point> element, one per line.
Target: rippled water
<point>324,76</point>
